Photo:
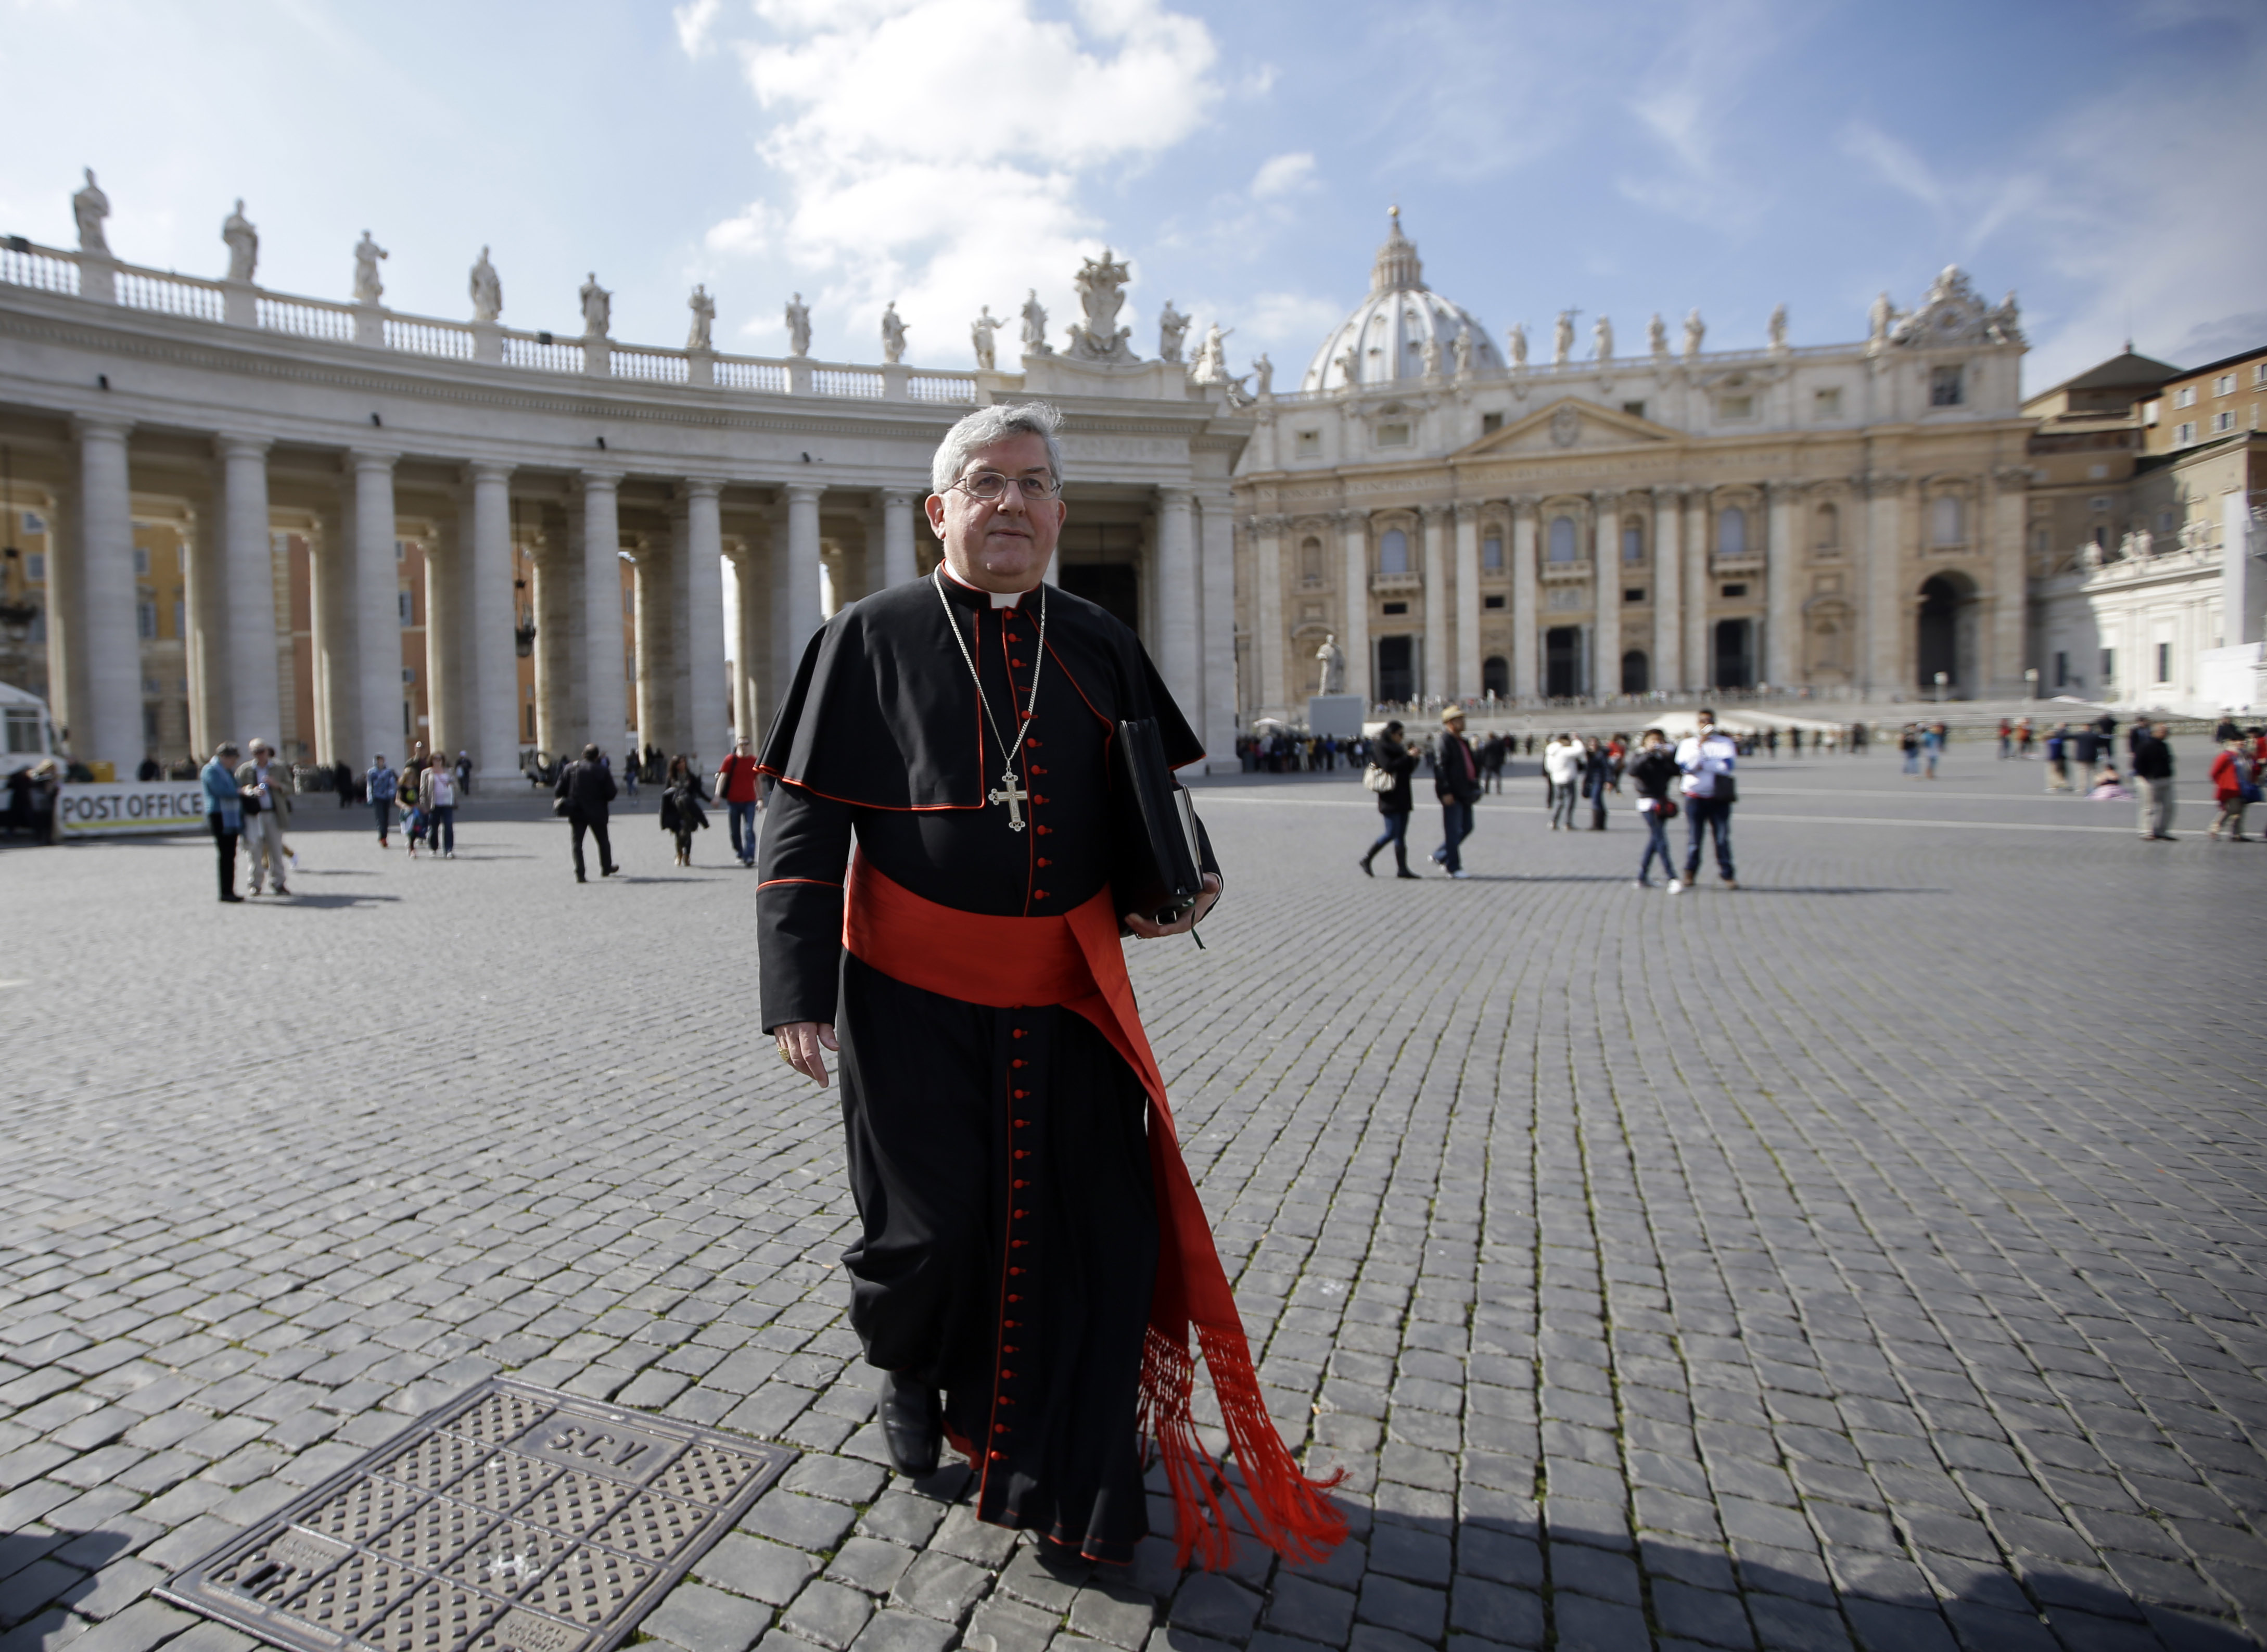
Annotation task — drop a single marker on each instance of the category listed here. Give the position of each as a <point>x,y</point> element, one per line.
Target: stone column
<point>1606,595</point>
<point>255,704</point>
<point>1435,520</point>
<point>650,637</point>
<point>553,569</point>
<point>1178,637</point>
<point>204,631</point>
<point>492,663</point>
<point>605,704</point>
<point>1782,597</point>
<point>376,595</point>
<point>701,719</point>
<point>1699,583</point>
<point>2010,508</point>
<point>1468,685</point>
<point>898,562</point>
<point>108,728</point>
<point>1353,615</point>
<point>330,616</point>
<point>1526,605</point>
<point>1667,586</point>
<point>1267,639</point>
<point>1216,704</point>
<point>449,730</point>
<point>1887,599</point>
<point>803,616</point>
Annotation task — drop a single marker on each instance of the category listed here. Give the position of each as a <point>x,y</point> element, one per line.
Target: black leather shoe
<point>912,1425</point>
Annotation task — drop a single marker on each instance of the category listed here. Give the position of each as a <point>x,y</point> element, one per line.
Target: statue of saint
<point>90,206</point>
<point>798,327</point>
<point>243,243</point>
<point>1464,352</point>
<point>893,333</point>
<point>1211,366</point>
<point>1657,338</point>
<point>1101,286</point>
<point>488,291</point>
<point>1263,378</point>
<point>597,308</point>
<point>1172,327</point>
<point>1878,321</point>
<point>1779,329</point>
<point>704,320</point>
<point>982,331</point>
<point>1428,355</point>
<point>1349,368</point>
<point>367,288</point>
<point>1519,345</point>
<point>1333,660</point>
<point>1562,339</point>
<point>1035,325</point>
<point>1602,339</point>
<point>2004,325</point>
<point>1695,330</point>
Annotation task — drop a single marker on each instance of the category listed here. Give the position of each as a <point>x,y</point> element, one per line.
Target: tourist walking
<point>586,788</point>
<point>266,786</point>
<point>2153,779</point>
<point>2085,747</point>
<point>1392,763</point>
<point>464,774</point>
<point>2006,737</point>
<point>1597,778</point>
<point>1932,745</point>
<point>737,789</point>
<point>344,780</point>
<point>436,796</point>
<point>223,814</point>
<point>1909,743</point>
<point>1457,783</point>
<point>2023,739</point>
<point>1708,760</point>
<point>2234,783</point>
<point>1653,771</point>
<point>1562,762</point>
<point>2057,754</point>
<point>681,814</point>
<point>384,785</point>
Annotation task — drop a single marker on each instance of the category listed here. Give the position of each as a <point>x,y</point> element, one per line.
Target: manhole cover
<point>512,1519</point>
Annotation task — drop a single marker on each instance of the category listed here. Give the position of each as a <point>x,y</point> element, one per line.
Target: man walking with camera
<point>1707,757</point>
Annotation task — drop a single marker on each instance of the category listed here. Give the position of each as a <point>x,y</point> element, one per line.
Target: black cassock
<point>881,739</point>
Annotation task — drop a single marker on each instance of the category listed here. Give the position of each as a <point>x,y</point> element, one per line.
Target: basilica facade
<point>1467,524</point>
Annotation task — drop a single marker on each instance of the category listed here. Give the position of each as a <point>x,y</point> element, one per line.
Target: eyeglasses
<point>990,487</point>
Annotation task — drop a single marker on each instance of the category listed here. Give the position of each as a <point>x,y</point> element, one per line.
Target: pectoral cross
<point>1014,797</point>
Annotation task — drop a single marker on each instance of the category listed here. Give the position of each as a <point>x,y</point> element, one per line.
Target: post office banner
<point>107,810</point>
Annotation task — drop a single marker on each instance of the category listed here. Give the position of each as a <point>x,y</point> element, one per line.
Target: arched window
<point>1393,552</point>
<point>1732,532</point>
<point>1830,527</point>
<point>1495,676</point>
<point>1492,553</point>
<point>1633,539</point>
<point>1946,520</point>
<point>1562,539</point>
<point>1311,560</point>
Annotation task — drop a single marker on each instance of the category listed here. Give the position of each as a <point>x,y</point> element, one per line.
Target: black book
<point>1156,866</point>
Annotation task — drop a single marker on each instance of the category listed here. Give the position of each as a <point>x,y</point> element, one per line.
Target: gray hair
<point>996,423</point>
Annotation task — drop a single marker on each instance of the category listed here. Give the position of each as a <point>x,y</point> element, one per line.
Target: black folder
<point>1157,865</point>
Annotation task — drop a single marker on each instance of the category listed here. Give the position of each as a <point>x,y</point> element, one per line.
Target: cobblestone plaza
<point>1870,1257</point>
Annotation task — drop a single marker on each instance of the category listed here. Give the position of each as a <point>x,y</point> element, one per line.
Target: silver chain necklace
<point>1006,791</point>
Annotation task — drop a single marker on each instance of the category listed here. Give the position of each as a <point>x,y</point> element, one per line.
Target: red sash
<point>1076,961</point>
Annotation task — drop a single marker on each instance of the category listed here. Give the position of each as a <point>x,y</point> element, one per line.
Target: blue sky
<point>1624,157</point>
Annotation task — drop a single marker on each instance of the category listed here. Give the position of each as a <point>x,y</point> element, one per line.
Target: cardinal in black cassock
<point>936,903</point>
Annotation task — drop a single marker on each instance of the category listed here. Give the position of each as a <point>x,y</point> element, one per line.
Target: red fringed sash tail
<point>1076,961</point>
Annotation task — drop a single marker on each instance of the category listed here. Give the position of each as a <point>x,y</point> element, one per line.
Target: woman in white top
<point>437,794</point>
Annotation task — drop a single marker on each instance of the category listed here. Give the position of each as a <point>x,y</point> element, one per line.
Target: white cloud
<point>1895,163</point>
<point>696,22</point>
<point>1283,175</point>
<point>1689,102</point>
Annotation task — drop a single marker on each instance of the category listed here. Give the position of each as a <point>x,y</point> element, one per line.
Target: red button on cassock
<point>1015,1032</point>
<point>1016,1063</point>
<point>999,1456</point>
<point>1019,1096</point>
<point>1017,1271</point>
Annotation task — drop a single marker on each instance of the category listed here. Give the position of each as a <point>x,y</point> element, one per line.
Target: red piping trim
<point>823,883</point>
<point>857,803</point>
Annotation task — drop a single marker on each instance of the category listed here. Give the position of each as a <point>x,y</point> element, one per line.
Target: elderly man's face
<point>1004,544</point>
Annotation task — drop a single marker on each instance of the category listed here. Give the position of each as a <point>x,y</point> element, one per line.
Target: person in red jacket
<point>736,790</point>
<point>2235,783</point>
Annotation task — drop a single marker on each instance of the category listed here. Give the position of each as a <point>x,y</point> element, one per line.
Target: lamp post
<point>2031,683</point>
<point>1942,678</point>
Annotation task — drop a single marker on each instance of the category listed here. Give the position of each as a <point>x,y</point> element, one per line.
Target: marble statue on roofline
<point>243,243</point>
<point>1601,337</point>
<point>486,290</point>
<point>1101,284</point>
<point>704,320</point>
<point>1464,352</point>
<point>1562,339</point>
<point>1777,330</point>
<point>1517,352</point>
<point>1879,320</point>
<point>1657,337</point>
<point>984,332</point>
<point>1172,329</point>
<point>90,206</point>
<point>597,308</point>
<point>1211,365</point>
<point>893,333</point>
<point>1035,325</point>
<point>1263,377</point>
<point>367,287</point>
<point>798,327</point>
<point>1695,330</point>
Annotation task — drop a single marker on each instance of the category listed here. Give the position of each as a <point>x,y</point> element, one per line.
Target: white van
<point>28,730</point>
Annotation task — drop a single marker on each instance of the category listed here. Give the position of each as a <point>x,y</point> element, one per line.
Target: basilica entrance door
<point>1396,668</point>
<point>1562,662</point>
<point>1113,587</point>
<point>1735,653</point>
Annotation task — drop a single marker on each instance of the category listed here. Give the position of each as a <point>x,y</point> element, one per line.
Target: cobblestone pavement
<point>1868,1257</point>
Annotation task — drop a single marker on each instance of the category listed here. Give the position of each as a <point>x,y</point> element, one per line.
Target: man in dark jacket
<point>2153,779</point>
<point>588,788</point>
<point>1457,783</point>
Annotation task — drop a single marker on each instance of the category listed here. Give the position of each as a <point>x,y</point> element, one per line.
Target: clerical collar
<point>999,598</point>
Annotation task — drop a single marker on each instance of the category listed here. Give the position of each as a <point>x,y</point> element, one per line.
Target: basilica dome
<point>1388,331</point>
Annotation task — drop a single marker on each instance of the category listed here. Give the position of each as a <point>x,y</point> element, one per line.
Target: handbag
<point>1667,808</point>
<point>1728,789</point>
<point>1377,780</point>
<point>1157,859</point>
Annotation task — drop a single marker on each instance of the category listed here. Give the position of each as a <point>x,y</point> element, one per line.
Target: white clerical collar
<point>999,598</point>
